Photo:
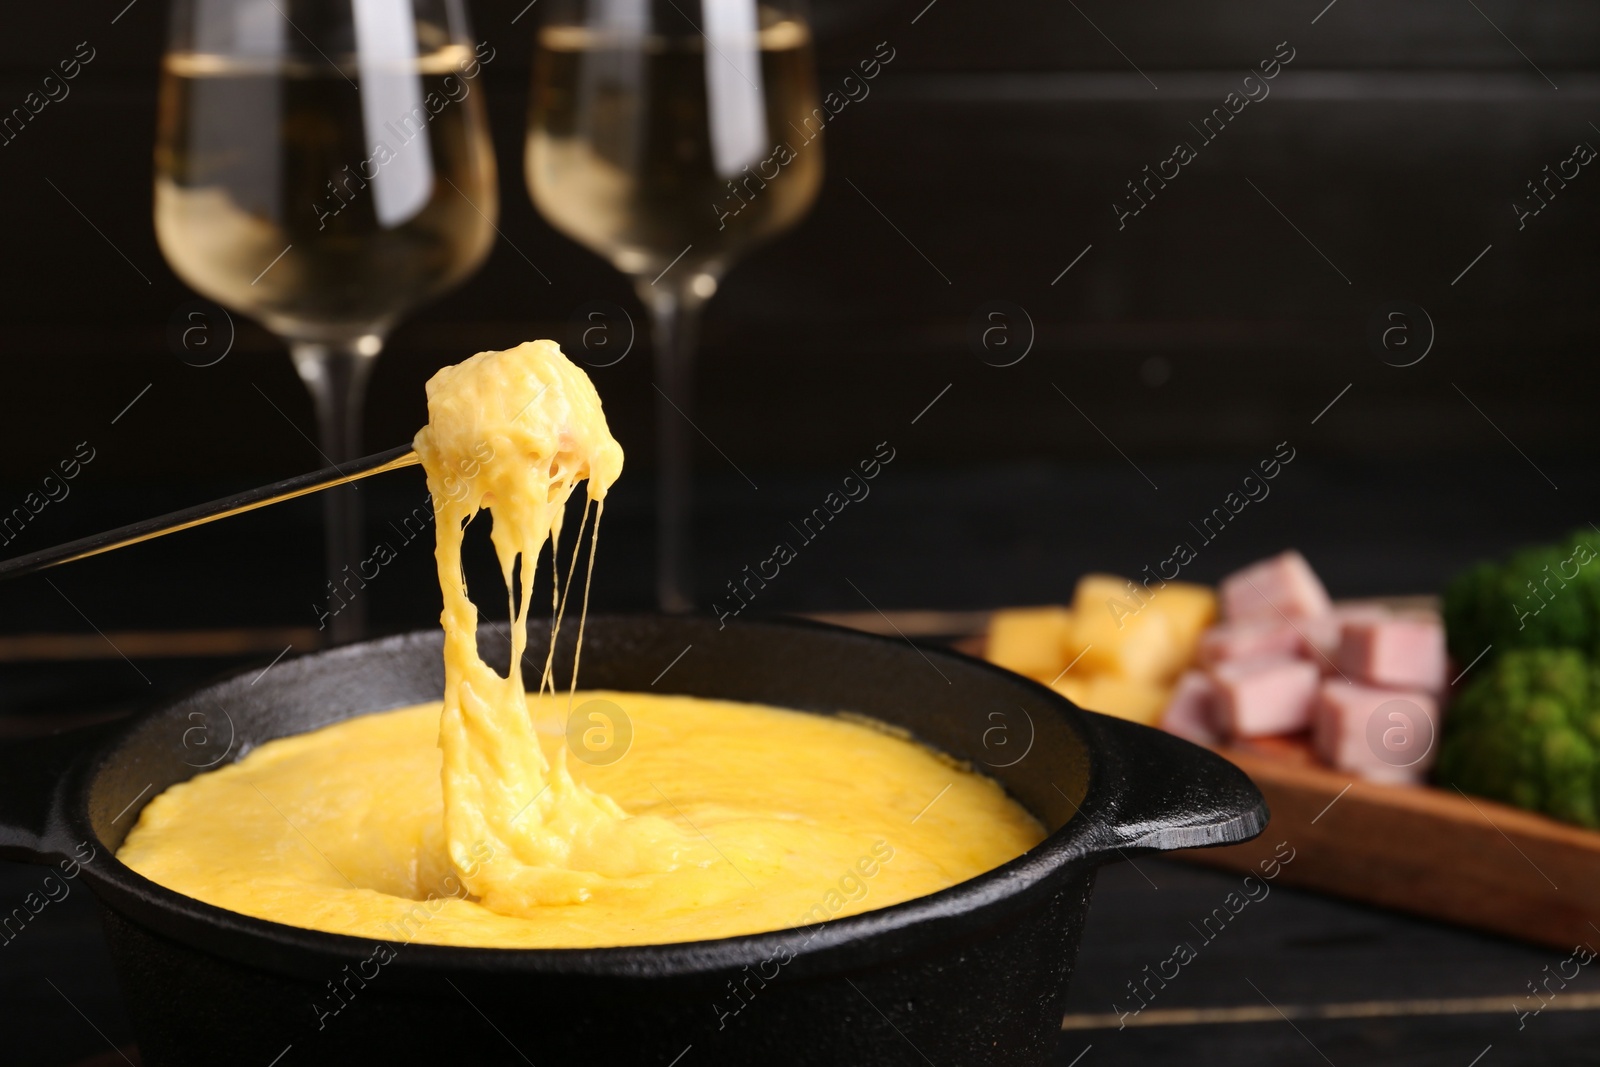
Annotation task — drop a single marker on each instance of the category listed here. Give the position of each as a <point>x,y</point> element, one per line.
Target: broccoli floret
<point>1526,730</point>
<point>1547,596</point>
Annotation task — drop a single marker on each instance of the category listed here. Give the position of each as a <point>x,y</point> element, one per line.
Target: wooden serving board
<point>1432,852</point>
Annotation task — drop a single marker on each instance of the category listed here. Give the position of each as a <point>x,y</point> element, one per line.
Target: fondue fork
<point>200,514</point>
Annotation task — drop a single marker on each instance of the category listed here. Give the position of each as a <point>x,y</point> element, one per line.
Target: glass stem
<point>675,316</point>
<point>336,375</point>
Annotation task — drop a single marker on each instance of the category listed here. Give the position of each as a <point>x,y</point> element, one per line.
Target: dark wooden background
<point>995,142</point>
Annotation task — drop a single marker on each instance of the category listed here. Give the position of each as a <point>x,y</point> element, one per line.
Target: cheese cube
<point>1030,641</point>
<point>1117,629</point>
<point>1188,607</point>
<point>1135,699</point>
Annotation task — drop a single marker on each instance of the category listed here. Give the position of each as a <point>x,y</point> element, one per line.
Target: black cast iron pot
<point>975,974</point>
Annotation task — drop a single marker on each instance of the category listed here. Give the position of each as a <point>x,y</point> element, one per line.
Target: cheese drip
<point>515,432</point>
<point>720,819</point>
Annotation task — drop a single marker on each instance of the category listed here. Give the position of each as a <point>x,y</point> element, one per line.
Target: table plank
<point>156,644</point>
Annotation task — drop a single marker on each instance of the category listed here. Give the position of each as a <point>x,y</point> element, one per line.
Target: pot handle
<point>33,774</point>
<point>1166,793</point>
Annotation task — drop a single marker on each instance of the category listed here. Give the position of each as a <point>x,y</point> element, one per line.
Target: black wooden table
<point>1412,993</point>
<point>1298,978</point>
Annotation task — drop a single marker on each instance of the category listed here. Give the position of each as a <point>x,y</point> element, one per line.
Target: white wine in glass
<point>324,166</point>
<point>670,136</point>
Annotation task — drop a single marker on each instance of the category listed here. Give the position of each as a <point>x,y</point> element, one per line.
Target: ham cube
<point>1191,711</point>
<point>1264,696</point>
<point>1284,585</point>
<point>1322,634</point>
<point>1248,640</point>
<point>1383,735</point>
<point>1402,652</point>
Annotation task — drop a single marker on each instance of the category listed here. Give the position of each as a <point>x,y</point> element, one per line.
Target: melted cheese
<point>515,432</point>
<point>805,817</point>
<point>464,822</point>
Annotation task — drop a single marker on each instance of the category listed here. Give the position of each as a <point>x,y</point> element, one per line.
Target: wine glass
<point>670,136</point>
<point>324,166</point>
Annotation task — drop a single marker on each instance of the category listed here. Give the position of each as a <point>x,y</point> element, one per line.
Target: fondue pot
<point>974,974</point>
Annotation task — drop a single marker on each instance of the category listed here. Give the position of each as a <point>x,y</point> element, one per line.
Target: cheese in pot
<point>805,817</point>
<point>466,822</point>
